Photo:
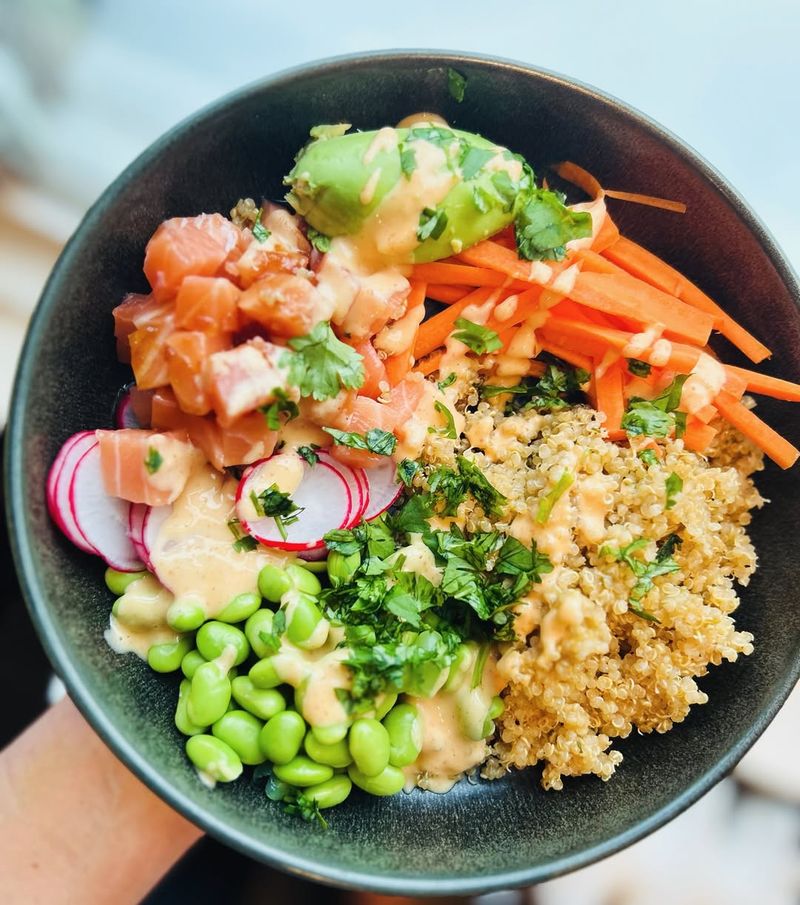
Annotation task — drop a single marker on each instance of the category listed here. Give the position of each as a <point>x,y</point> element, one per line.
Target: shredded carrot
<point>398,366</point>
<point>527,303</point>
<point>576,359</point>
<point>417,294</point>
<point>765,438</point>
<point>571,172</point>
<point>446,294</point>
<point>434,331</point>
<point>430,363</point>
<point>698,435</point>
<point>593,262</point>
<point>492,256</point>
<point>457,274</point>
<point>607,390</point>
<point>646,266</point>
<point>705,414</point>
<point>606,236</point>
<point>628,297</point>
<point>677,207</point>
<point>765,385</point>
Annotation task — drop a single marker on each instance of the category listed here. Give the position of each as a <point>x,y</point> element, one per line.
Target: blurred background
<point>86,85</point>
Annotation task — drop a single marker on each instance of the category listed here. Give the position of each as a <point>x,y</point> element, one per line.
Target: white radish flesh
<point>384,488</point>
<point>58,483</point>
<point>356,481</point>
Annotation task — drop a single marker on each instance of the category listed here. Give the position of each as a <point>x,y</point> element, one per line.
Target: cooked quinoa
<point>585,669</point>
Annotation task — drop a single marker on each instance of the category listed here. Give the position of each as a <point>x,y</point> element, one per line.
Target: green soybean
<point>191,661</point>
<point>240,730</point>
<point>261,702</point>
<point>463,662</point>
<point>301,771</point>
<point>182,722</point>
<point>316,566</point>
<point>497,707</point>
<point>369,744</point>
<point>341,568</point>
<point>185,615</point>
<point>273,583</point>
<point>282,736</point>
<point>303,580</point>
<point>168,657</point>
<point>240,608</point>
<point>258,622</point>
<point>214,757</point>
<point>389,782</point>
<point>404,727</point>
<point>264,675</point>
<point>213,637</point>
<point>118,582</point>
<point>303,622</point>
<point>384,704</point>
<point>331,792</point>
<point>209,695</point>
<point>336,755</point>
<point>488,728</point>
<point>331,734</point>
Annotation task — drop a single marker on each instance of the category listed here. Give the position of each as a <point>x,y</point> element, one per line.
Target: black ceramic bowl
<point>477,837</point>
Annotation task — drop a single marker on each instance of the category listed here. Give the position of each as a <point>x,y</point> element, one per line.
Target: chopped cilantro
<point>656,417</point>
<point>432,224</point>
<point>473,159</point>
<point>481,198</point>
<point>672,487</point>
<point>490,499</point>
<point>545,225</point>
<point>319,240</point>
<point>475,337</point>
<point>154,460</point>
<point>648,456</point>
<point>488,391</point>
<point>408,160</point>
<point>260,232</point>
<point>406,469</point>
<point>639,368</point>
<point>309,453</point>
<point>449,430</point>
<point>282,405</point>
<point>557,388</point>
<point>273,503</point>
<point>549,500</point>
<point>377,441</point>
<point>645,572</point>
<point>242,543</point>
<point>456,84</point>
<point>505,188</point>
<point>272,638</point>
<point>447,382</point>
<point>321,365</point>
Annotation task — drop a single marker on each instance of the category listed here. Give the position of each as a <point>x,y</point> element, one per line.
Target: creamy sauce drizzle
<point>143,609</point>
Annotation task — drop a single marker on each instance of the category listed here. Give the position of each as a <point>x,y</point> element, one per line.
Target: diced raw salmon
<point>149,351</point>
<point>145,466</point>
<point>381,298</point>
<point>208,304</point>
<point>374,370</point>
<point>244,378</point>
<point>185,246</point>
<point>246,440</point>
<point>284,304</point>
<point>188,352</point>
<point>134,311</point>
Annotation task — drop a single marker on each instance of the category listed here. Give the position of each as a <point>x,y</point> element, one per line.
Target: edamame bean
<point>190,663</point>
<point>282,736</point>
<point>488,728</point>
<point>303,580</point>
<point>404,727</point>
<point>389,782</point>
<point>182,722</point>
<point>305,625</point>
<point>213,637</point>
<point>210,693</point>
<point>336,755</point>
<point>214,758</point>
<point>472,708</point>
<point>497,707</point>
<point>369,745</point>
<point>273,583</point>
<point>463,661</point>
<point>240,608</point>
<point>262,702</point>
<point>118,582</point>
<point>316,566</point>
<point>341,568</point>
<point>427,680</point>
<point>301,771</point>
<point>185,615</point>
<point>258,622</point>
<point>330,793</point>
<point>168,657</point>
<point>264,675</point>
<point>384,704</point>
<point>331,734</point>
<point>240,730</point>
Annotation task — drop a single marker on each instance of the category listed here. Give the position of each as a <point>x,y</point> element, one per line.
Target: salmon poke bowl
<point>412,508</point>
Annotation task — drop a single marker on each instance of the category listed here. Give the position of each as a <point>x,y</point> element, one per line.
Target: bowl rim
<point>49,631</point>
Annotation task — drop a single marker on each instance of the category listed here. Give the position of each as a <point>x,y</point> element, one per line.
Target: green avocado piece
<point>336,191</point>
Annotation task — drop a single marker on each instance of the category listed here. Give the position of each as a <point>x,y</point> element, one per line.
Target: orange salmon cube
<point>207,304</point>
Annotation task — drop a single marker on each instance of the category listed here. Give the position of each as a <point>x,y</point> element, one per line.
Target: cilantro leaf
<point>406,471</point>
<point>648,456</point>
<point>273,503</point>
<point>260,232</point>
<point>639,368</point>
<point>549,500</point>
<point>645,572</point>
<point>473,159</point>
<point>447,382</point>
<point>672,487</point>
<point>321,365</point>
<point>490,499</point>
<point>432,224</point>
<point>656,417</point>
<point>282,405</point>
<point>319,240</point>
<point>272,639</point>
<point>154,460</point>
<point>456,84</point>
<point>309,453</point>
<point>544,225</point>
<point>475,337</point>
<point>449,430</point>
<point>557,388</point>
<point>408,160</point>
<point>242,543</point>
<point>377,441</point>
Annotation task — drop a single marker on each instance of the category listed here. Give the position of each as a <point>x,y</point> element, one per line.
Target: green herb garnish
<point>273,503</point>
<point>260,232</point>
<point>656,417</point>
<point>408,160</point>
<point>447,382</point>
<point>282,405</point>
<point>377,441</point>
<point>242,543</point>
<point>472,161</point>
<point>645,572</point>
<point>639,368</point>
<point>456,84</point>
<point>648,456</point>
<point>449,430</point>
<point>406,469</point>
<point>319,240</point>
<point>545,225</point>
<point>154,460</point>
<point>321,365</point>
<point>672,487</point>
<point>549,500</point>
<point>309,453</point>
<point>475,337</point>
<point>432,224</point>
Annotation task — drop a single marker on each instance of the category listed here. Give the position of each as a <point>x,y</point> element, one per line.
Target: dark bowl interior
<point>478,837</point>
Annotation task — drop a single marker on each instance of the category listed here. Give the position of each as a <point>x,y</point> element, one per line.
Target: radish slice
<point>144,523</point>
<point>356,482</point>
<point>101,519</point>
<point>323,494</point>
<point>136,517</point>
<point>124,415</point>
<point>58,484</point>
<point>384,488</point>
